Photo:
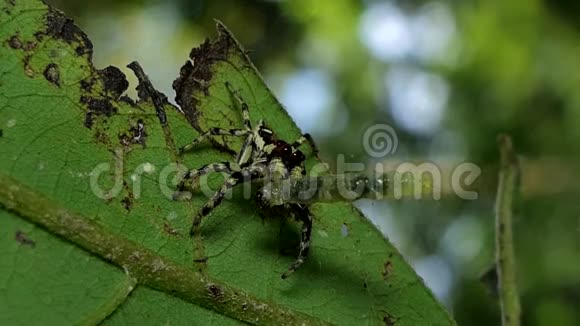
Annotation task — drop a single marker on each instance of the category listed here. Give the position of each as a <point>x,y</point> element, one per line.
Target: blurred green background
<point>448,76</point>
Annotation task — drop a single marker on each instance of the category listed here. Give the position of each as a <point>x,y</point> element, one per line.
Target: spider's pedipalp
<point>305,138</point>
<point>213,132</point>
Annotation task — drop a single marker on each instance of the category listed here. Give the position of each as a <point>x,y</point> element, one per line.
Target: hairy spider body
<point>263,158</point>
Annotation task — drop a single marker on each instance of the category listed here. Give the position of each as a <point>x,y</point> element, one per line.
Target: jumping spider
<point>279,167</point>
<point>263,158</point>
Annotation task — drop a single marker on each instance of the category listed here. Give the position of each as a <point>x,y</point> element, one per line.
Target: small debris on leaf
<point>23,239</point>
<point>52,74</point>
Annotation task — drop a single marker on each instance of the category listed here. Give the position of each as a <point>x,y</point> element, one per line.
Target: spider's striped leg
<point>245,175</point>
<point>243,105</point>
<point>214,201</point>
<point>191,176</point>
<point>301,213</point>
<point>305,138</point>
<point>213,132</point>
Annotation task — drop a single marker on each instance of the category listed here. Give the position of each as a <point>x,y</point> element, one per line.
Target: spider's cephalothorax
<point>262,158</point>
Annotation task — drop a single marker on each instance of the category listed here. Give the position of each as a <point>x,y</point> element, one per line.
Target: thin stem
<point>505,257</point>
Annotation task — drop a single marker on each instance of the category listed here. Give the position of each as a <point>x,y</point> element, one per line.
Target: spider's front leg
<point>214,132</point>
<point>243,105</point>
<point>301,213</point>
<point>226,132</point>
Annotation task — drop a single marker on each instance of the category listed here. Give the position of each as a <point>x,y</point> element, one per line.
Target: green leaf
<point>89,233</point>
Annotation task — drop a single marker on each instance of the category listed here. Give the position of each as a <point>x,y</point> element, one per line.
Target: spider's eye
<point>282,149</point>
<point>287,149</point>
<point>297,157</point>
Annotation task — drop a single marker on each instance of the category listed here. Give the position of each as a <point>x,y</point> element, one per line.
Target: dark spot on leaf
<point>87,84</point>
<point>29,46</point>
<point>365,285</point>
<point>139,133</point>
<point>135,135</point>
<point>387,269</point>
<point>27,69</point>
<point>89,120</point>
<point>125,140</point>
<point>100,136</point>
<point>23,239</point>
<point>201,260</point>
<point>244,306</point>
<point>99,106</point>
<point>52,73</point>
<point>1,132</point>
<point>96,107</point>
<point>169,230</point>
<point>114,80</point>
<point>61,27</point>
<point>14,42</point>
<point>39,36</point>
<point>215,291</point>
<point>389,319</point>
<point>127,202</point>
<point>195,75</point>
